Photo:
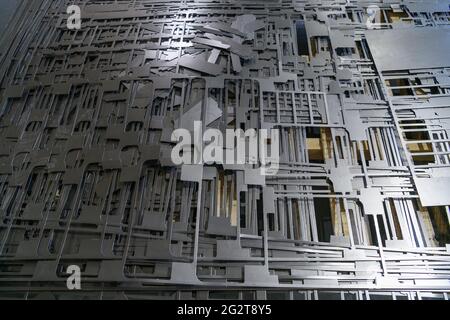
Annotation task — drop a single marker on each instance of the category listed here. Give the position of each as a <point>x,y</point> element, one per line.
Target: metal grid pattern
<point>358,210</point>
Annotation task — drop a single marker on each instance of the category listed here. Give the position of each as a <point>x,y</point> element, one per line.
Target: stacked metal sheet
<point>359,208</point>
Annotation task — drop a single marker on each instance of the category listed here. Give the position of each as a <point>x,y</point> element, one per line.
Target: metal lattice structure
<point>358,210</point>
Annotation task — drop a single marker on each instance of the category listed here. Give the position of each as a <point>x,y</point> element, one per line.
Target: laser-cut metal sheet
<point>410,48</point>
<point>357,210</point>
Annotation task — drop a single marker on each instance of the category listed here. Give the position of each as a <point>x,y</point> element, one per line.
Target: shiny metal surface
<point>358,210</point>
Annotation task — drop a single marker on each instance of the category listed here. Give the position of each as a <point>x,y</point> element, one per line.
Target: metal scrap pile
<point>358,209</point>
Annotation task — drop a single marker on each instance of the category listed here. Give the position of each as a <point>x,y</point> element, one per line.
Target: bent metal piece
<point>359,208</point>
